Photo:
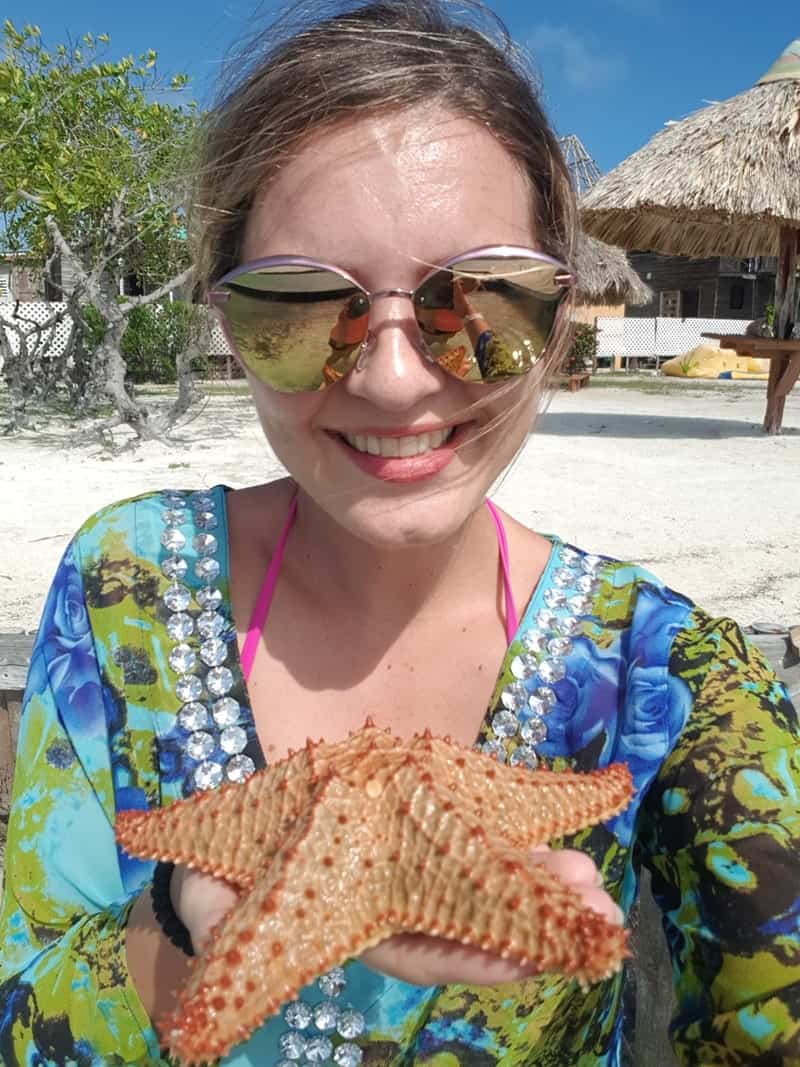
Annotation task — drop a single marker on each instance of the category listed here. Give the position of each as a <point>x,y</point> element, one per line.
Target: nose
<point>394,373</point>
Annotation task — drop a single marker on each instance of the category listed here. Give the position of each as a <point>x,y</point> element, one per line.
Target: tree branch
<point>163,290</point>
<point>86,282</point>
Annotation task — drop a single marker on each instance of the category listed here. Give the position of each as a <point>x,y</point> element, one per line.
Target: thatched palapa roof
<point>720,182</point>
<point>604,274</point>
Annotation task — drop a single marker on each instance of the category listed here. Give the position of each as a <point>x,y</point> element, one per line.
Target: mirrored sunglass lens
<point>489,319</point>
<point>295,328</point>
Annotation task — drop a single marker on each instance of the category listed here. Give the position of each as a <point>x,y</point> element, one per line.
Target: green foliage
<point>94,327</point>
<point>583,349</point>
<point>155,337</point>
<point>770,315</point>
<point>80,132</point>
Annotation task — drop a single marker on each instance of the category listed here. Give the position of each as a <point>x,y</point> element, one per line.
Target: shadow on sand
<point>589,424</point>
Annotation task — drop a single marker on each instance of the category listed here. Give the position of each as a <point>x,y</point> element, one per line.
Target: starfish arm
<point>471,888</point>
<point>311,909</point>
<point>256,817</point>
<point>525,807</point>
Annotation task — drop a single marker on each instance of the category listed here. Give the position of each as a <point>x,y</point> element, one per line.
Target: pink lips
<point>408,468</point>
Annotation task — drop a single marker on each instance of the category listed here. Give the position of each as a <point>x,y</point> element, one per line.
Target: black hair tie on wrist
<point>164,913</point>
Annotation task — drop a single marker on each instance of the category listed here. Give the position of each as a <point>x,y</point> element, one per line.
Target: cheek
<point>286,418</point>
<point>511,407</point>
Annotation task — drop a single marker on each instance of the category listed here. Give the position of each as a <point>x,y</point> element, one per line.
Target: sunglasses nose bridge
<point>409,293</point>
<point>392,329</point>
<point>380,294</point>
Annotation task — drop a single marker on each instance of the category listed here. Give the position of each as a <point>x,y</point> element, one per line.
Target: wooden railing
<point>15,652</point>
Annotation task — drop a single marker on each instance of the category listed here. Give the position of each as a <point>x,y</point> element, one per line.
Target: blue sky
<point>613,70</point>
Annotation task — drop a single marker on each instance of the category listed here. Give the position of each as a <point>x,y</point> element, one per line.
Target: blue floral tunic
<point>607,665</point>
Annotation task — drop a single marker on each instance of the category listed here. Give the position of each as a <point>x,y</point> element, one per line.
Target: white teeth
<point>402,447</point>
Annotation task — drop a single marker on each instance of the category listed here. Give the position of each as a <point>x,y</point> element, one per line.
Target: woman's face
<point>385,198</point>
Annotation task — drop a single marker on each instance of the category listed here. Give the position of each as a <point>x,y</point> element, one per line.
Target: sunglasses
<point>484,316</point>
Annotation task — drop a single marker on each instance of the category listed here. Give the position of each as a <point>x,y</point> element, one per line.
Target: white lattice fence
<point>658,337</point>
<point>27,315</point>
<point>219,345</point>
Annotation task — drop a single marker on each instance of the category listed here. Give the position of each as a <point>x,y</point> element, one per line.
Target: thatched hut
<point>723,181</point>
<point>606,280</point>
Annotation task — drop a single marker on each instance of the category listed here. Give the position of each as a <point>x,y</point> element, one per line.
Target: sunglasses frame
<point>216,297</point>
<point>566,278</point>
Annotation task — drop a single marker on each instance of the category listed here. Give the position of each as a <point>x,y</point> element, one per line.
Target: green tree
<point>97,158</point>
<point>583,350</point>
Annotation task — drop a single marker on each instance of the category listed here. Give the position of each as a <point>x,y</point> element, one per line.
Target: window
<point>690,303</point>
<point>736,299</point>
<point>5,283</point>
<point>670,304</point>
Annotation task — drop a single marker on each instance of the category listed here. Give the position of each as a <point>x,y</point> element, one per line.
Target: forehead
<point>386,195</point>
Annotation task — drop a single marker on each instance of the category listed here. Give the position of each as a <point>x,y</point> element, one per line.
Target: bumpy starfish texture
<point>343,845</point>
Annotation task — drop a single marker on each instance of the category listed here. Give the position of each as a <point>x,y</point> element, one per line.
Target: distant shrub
<point>583,349</point>
<point>156,335</point>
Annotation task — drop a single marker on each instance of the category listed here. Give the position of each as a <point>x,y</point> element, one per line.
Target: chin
<point>430,516</point>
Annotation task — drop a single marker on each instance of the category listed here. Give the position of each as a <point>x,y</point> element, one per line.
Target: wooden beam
<point>15,655</point>
<point>785,311</point>
<point>786,283</point>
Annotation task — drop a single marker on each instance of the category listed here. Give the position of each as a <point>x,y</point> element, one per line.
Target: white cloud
<point>583,66</point>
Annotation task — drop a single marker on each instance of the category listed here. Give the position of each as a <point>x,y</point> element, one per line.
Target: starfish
<point>343,845</point>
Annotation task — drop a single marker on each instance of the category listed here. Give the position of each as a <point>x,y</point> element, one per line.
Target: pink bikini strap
<point>261,610</point>
<point>512,618</point>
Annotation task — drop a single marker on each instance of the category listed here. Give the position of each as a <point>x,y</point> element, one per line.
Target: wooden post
<point>15,654</point>
<point>783,321</point>
<point>786,283</point>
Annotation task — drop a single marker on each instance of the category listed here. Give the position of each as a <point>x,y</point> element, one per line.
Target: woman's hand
<point>423,960</point>
<point>200,901</point>
<point>461,287</point>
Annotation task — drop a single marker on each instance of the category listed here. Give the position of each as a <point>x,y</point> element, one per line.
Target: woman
<point>191,637</point>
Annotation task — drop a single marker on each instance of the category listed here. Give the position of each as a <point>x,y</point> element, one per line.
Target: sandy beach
<point>675,475</point>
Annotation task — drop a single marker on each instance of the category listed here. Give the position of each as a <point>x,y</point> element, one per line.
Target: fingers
<point>572,867</point>
<point>598,900</point>
<point>200,901</point>
<point>579,873</point>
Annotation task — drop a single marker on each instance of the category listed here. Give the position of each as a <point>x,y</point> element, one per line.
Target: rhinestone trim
<point>519,723</point>
<point>213,738</point>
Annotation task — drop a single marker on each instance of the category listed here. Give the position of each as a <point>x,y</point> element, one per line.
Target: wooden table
<point>574,382</point>
<point>784,369</point>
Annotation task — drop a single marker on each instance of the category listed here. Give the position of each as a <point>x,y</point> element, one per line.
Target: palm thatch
<point>721,182</point>
<point>604,274</point>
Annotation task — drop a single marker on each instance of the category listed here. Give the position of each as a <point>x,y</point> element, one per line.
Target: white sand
<point>680,478</point>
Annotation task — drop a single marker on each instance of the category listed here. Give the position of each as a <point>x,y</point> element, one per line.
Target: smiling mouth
<point>398,447</point>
